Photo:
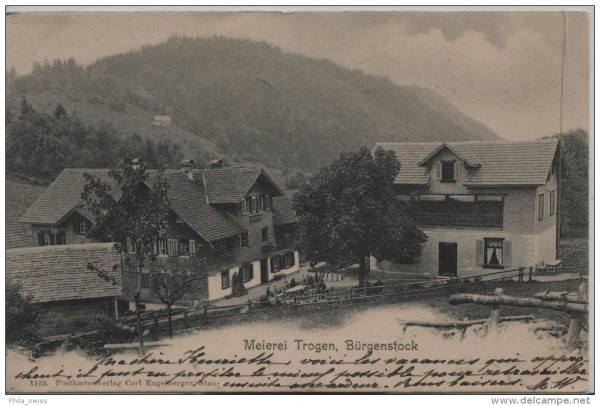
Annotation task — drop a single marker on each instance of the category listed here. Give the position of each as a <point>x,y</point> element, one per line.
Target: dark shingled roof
<point>190,198</point>
<point>63,195</point>
<point>502,163</point>
<point>283,213</point>
<point>230,185</point>
<point>59,272</point>
<point>17,235</point>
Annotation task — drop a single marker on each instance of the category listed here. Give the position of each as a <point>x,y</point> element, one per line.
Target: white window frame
<point>83,227</point>
<point>162,247</point>
<point>130,246</point>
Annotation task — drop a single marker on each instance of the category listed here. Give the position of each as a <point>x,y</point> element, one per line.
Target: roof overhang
<point>439,149</point>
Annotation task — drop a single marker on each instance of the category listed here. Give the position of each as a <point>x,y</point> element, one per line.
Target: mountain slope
<point>252,100</point>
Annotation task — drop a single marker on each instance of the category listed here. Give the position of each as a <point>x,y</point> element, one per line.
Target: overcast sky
<point>500,68</point>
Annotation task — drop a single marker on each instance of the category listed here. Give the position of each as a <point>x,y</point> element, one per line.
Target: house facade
<point>222,221</point>
<point>484,206</point>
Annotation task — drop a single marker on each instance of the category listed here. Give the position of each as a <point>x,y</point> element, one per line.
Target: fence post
<point>249,306</point>
<point>185,319</point>
<point>580,272</point>
<point>495,314</point>
<point>521,274</point>
<point>531,274</point>
<point>205,312</point>
<point>576,321</point>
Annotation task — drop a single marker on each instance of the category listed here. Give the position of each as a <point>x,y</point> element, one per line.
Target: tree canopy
<point>42,145</point>
<point>349,211</point>
<point>135,219</point>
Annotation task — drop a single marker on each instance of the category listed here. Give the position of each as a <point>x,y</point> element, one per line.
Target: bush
<point>573,252</point>
<point>21,317</point>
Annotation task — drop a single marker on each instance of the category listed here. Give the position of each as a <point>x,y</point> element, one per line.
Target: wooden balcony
<point>470,220</point>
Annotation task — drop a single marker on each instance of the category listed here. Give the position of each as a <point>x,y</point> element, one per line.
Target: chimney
<point>216,163</point>
<point>135,163</point>
<point>186,168</point>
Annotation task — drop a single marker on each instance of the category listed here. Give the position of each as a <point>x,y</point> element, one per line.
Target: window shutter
<point>249,239</point>
<point>479,252</point>
<point>192,246</point>
<point>169,247</point>
<point>507,253</point>
<point>438,170</point>
<point>41,240</point>
<point>251,271</point>
<point>457,166</point>
<point>154,248</point>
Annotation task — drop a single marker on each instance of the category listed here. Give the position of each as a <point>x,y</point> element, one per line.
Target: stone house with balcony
<point>484,205</point>
<point>227,219</point>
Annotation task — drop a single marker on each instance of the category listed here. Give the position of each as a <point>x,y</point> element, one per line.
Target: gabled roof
<point>469,161</point>
<point>191,199</point>
<point>230,185</point>
<point>60,272</point>
<point>62,195</point>
<point>502,163</point>
<point>188,198</point>
<point>283,213</point>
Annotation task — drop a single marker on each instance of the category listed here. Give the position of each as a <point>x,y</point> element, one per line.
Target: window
<point>447,171</point>
<point>552,202</point>
<point>265,234</point>
<point>253,204</point>
<point>493,253</point>
<point>275,264</point>
<point>61,238</point>
<point>247,272</point>
<point>83,227</point>
<point>225,282</point>
<point>130,246</point>
<point>541,207</point>
<point>288,260</point>
<point>267,202</point>
<point>244,240</point>
<point>173,247</point>
<point>192,246</point>
<point>245,206</point>
<point>162,247</point>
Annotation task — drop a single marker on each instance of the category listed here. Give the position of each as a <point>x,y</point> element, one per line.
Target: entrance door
<point>448,257</point>
<point>264,270</point>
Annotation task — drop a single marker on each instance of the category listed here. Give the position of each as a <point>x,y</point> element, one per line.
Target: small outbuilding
<point>71,294</point>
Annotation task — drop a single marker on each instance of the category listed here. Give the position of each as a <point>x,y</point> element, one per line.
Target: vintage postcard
<point>298,201</point>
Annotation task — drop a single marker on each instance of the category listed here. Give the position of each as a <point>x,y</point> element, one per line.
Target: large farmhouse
<point>237,220</point>
<point>483,205</point>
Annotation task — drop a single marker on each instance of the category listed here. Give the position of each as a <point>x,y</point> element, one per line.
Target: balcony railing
<point>478,220</point>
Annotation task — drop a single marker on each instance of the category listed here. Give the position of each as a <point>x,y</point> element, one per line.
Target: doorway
<point>448,259</point>
<point>264,270</point>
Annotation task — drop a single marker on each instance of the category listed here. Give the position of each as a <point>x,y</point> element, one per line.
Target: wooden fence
<point>313,297</point>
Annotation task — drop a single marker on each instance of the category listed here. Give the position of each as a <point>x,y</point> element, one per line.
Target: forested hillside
<point>243,98</point>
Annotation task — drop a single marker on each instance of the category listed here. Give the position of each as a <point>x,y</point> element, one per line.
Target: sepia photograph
<point>299,200</point>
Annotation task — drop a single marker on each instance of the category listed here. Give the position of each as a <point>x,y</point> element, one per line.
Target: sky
<point>500,68</point>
